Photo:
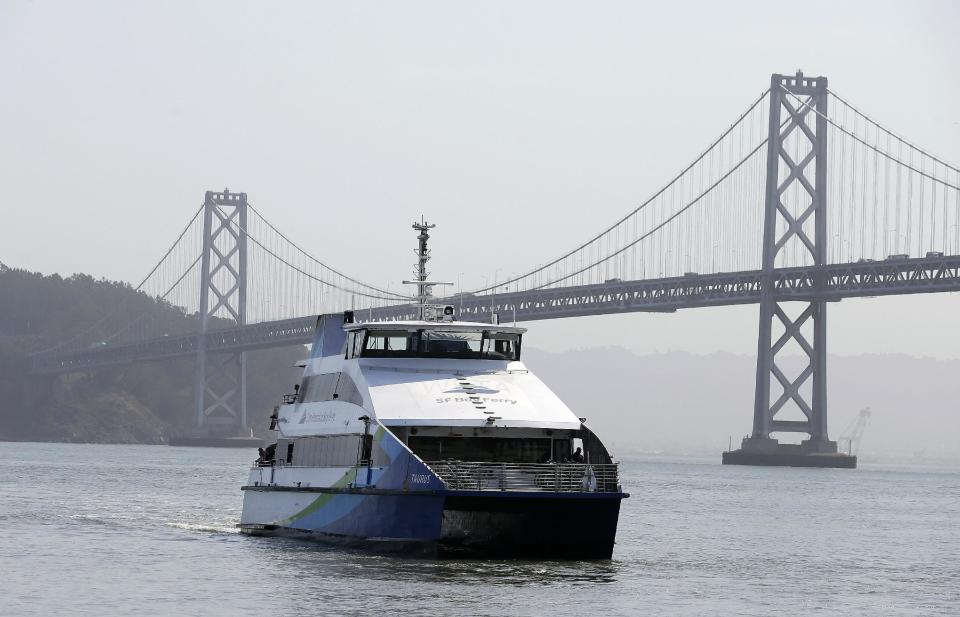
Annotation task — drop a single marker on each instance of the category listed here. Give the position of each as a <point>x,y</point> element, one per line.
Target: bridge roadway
<point>832,282</point>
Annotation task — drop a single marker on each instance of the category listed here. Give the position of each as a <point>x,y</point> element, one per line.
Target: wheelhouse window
<point>447,344</point>
<point>424,343</point>
<point>389,344</point>
<point>501,346</point>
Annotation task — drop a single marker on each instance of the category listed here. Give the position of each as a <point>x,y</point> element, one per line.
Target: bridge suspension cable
<point>294,284</point>
<point>150,311</point>
<point>889,198</point>
<point>386,294</point>
<point>176,242</point>
<point>95,332</point>
<point>666,205</point>
<point>316,278</point>
<point>886,199</point>
<point>889,132</point>
<point>876,149</point>
<point>617,225</point>
<point>660,226</point>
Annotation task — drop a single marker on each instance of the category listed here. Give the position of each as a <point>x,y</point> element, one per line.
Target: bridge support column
<point>794,234</point>
<point>220,391</point>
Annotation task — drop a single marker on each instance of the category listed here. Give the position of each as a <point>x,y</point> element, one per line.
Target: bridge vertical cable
<point>287,281</point>
<point>888,198</point>
<point>165,303</point>
<point>284,281</point>
<point>706,219</point>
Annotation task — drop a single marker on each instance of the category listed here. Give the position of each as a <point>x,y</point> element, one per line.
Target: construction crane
<point>853,434</point>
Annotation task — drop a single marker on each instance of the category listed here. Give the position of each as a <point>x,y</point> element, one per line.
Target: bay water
<point>151,530</point>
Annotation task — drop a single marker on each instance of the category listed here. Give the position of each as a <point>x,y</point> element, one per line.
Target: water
<point>149,530</point>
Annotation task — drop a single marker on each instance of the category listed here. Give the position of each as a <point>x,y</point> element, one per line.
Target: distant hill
<point>140,403</point>
<point>686,403</point>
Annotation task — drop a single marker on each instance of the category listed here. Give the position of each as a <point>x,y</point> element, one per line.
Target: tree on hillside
<point>144,402</point>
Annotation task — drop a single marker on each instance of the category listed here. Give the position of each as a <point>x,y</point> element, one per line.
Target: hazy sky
<point>519,128</point>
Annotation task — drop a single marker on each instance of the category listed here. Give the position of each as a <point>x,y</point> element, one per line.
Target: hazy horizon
<point>678,402</point>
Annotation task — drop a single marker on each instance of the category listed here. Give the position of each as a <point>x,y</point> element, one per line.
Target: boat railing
<point>546,477</point>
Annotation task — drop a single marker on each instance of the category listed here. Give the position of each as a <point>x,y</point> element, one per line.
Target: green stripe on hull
<point>322,500</point>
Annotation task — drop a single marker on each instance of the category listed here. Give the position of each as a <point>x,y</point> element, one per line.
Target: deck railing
<point>549,477</point>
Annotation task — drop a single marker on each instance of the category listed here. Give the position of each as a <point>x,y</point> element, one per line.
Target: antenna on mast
<point>424,286</point>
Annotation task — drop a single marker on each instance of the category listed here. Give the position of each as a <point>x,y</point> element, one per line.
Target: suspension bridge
<point>803,200</point>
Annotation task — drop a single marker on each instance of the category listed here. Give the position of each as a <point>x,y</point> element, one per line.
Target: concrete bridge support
<point>795,220</point>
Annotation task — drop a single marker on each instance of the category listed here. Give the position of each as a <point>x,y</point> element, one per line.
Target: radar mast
<point>424,285</point>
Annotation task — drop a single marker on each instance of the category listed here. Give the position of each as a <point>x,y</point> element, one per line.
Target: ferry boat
<point>432,435</point>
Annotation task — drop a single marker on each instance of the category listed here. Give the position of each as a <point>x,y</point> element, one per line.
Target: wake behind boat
<point>432,434</point>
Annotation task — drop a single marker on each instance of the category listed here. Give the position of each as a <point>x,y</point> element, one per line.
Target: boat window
<point>333,451</point>
<point>347,391</point>
<point>445,344</point>
<point>357,344</point>
<point>429,343</point>
<point>328,387</point>
<point>501,346</point>
<point>318,387</point>
<point>481,449</point>
<point>389,344</point>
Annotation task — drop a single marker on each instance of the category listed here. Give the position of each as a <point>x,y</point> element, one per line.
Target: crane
<point>853,434</point>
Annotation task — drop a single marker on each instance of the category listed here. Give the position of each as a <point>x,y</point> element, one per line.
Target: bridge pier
<point>796,192</point>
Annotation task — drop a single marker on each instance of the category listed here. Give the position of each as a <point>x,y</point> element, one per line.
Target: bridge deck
<point>831,282</point>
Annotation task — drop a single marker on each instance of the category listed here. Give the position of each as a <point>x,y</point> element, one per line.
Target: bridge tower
<point>220,391</point>
<point>795,219</point>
